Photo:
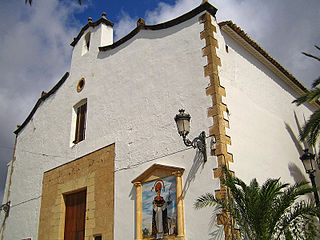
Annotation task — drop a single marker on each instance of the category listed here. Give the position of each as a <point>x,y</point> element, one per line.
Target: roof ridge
<point>205,6</point>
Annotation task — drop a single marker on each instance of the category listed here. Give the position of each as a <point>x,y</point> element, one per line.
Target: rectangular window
<point>75,216</point>
<point>86,44</point>
<point>80,123</point>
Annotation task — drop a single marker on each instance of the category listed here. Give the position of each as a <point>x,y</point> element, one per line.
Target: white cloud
<point>165,12</point>
<point>125,25</point>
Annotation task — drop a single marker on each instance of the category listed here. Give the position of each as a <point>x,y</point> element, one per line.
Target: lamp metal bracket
<point>199,143</point>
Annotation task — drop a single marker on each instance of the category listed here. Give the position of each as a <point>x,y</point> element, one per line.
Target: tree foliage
<point>270,211</point>
<point>311,129</point>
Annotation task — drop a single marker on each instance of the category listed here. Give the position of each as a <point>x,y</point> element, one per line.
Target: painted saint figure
<point>159,214</point>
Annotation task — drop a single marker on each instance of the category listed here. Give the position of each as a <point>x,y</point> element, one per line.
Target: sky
<point>35,49</point>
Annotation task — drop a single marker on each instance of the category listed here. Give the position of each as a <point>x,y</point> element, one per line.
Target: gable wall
<point>262,123</point>
<point>133,93</point>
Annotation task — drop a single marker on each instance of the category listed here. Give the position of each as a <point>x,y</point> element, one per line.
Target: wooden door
<point>75,216</point>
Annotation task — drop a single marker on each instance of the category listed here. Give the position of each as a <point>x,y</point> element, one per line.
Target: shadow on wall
<point>218,233</point>
<point>298,176</point>
<point>305,144</point>
<point>294,138</point>
<point>197,163</point>
<point>295,172</point>
<point>300,146</point>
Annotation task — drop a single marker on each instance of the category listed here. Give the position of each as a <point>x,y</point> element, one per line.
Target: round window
<point>80,85</point>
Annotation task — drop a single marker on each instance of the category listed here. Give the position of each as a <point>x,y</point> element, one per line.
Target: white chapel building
<point>99,156</point>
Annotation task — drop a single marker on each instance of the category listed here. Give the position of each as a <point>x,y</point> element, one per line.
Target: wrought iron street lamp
<point>308,160</point>
<point>183,124</point>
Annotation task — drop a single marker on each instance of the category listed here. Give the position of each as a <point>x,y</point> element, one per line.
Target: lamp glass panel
<point>186,124</point>
<point>180,126</point>
<point>308,164</point>
<point>183,126</point>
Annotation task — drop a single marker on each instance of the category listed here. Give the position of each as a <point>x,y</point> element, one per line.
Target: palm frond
<point>270,211</point>
<point>281,217</point>
<point>310,96</point>
<point>207,200</point>
<point>311,129</point>
<point>299,220</point>
<point>310,55</point>
<point>316,82</point>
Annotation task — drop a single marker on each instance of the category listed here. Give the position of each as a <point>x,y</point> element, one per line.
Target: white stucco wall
<point>263,129</point>
<point>133,93</point>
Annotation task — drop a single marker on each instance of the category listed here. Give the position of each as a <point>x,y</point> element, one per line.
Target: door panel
<point>75,216</point>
